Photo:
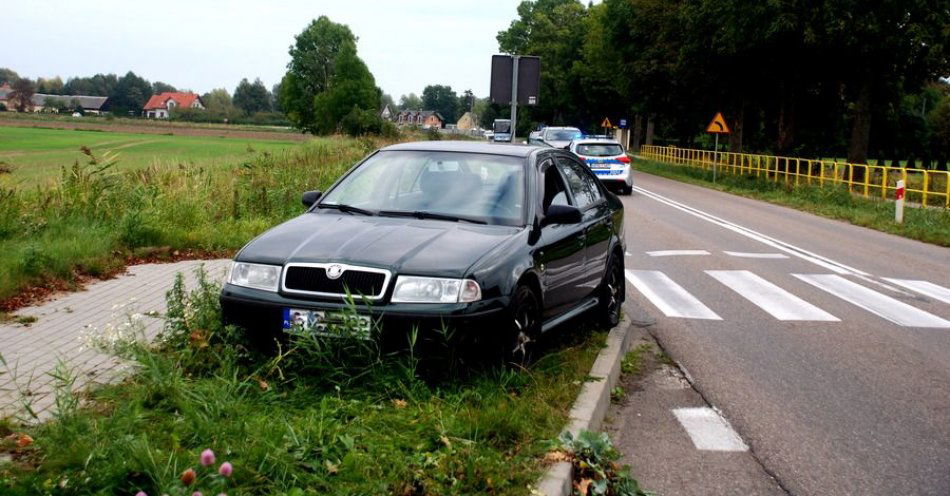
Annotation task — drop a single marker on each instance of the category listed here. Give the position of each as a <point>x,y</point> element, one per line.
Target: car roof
<point>561,128</point>
<point>466,147</point>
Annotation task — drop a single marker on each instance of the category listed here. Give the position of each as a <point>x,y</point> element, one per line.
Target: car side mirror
<point>562,214</point>
<point>310,197</point>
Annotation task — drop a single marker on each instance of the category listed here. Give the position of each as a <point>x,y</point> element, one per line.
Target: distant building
<point>422,118</point>
<point>386,113</point>
<point>41,102</point>
<point>159,106</point>
<point>467,122</point>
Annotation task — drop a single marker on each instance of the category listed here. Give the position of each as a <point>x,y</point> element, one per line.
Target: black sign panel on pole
<point>529,80</point>
<point>500,91</point>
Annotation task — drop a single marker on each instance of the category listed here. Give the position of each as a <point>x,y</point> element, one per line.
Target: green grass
<point>36,155</point>
<point>931,225</point>
<point>317,419</point>
<point>97,211</point>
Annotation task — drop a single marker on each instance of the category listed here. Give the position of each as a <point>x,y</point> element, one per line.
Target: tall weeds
<point>95,215</point>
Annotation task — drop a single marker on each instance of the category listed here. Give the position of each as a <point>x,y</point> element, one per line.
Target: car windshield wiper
<point>421,214</point>
<point>342,207</point>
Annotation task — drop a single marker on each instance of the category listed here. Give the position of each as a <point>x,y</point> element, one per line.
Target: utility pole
<point>514,96</point>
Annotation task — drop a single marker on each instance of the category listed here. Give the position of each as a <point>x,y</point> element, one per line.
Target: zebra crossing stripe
<point>676,253</point>
<point>708,430</point>
<point>923,287</point>
<point>881,305</point>
<point>742,254</point>
<point>669,297</point>
<point>776,301</point>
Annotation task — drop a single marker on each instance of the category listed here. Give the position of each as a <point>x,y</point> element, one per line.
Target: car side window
<point>555,193</point>
<point>582,186</point>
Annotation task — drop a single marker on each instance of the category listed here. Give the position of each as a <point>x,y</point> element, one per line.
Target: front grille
<point>313,279</point>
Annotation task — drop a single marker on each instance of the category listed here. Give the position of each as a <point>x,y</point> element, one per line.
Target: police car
<point>608,160</point>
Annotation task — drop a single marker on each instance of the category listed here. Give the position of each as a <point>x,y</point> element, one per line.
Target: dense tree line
<point>813,78</point>
<point>252,102</point>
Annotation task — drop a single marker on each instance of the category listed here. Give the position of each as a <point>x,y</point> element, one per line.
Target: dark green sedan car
<point>499,242</point>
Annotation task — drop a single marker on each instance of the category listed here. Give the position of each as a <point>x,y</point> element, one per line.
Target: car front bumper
<point>261,314</point>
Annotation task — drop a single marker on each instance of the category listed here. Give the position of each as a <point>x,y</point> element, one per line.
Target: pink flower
<point>196,493</point>
<point>141,493</point>
<point>207,458</point>
<point>225,469</point>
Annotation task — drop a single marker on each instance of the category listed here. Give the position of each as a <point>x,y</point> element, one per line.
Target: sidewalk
<point>33,351</point>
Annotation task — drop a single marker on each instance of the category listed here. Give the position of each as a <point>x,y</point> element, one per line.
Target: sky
<point>205,44</point>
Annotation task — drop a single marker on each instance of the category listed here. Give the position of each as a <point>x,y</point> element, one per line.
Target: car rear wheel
<point>612,293</point>
<point>525,326</point>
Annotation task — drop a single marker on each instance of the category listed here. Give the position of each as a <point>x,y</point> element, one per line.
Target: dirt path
<point>164,129</point>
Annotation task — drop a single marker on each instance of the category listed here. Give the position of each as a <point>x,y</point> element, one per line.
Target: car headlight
<point>257,276</point>
<point>412,289</point>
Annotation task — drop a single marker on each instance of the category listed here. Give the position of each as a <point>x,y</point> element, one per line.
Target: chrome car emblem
<point>334,271</point>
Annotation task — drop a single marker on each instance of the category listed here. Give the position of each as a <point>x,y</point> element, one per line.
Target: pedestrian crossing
<point>675,300</point>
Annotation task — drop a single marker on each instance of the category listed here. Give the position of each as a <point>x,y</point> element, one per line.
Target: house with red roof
<point>159,106</point>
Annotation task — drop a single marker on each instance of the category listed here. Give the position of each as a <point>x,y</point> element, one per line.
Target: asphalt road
<point>837,379</point>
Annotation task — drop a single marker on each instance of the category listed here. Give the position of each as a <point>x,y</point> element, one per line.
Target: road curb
<point>590,407</point>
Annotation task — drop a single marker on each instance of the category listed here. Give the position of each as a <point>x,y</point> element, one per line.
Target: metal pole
<point>716,157</point>
<point>514,96</point>
<point>899,202</point>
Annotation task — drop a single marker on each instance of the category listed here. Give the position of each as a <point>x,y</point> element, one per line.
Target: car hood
<point>558,144</point>
<point>403,245</point>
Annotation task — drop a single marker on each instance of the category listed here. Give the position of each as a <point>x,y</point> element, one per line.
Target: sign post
<point>515,79</point>
<point>717,126</point>
<point>606,125</point>
<point>899,202</point>
<point>514,96</point>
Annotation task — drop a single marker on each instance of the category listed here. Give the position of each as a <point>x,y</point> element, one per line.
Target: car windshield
<point>599,150</point>
<point>562,134</point>
<point>502,126</point>
<point>467,186</point>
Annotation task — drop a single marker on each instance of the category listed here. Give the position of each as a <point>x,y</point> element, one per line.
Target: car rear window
<point>599,150</point>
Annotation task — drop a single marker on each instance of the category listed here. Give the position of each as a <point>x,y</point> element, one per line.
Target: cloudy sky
<point>205,44</point>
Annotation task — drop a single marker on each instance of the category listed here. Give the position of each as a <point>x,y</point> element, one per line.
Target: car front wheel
<point>612,293</point>
<point>525,326</point>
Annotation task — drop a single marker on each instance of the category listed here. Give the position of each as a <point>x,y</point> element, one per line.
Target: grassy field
<point>337,417</point>
<point>35,155</point>
<point>931,225</point>
<point>96,210</point>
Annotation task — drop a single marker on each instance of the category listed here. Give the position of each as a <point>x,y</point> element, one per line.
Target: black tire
<point>626,190</point>
<point>524,328</point>
<point>612,293</point>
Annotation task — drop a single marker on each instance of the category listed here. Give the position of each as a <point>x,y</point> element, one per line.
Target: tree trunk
<point>735,137</point>
<point>861,130</point>
<point>786,122</point>
<point>649,130</point>
<point>637,131</point>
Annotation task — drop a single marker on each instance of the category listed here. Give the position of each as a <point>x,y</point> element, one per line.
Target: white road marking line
<point>676,253</point>
<point>836,267</point>
<point>627,253</point>
<point>923,287</point>
<point>708,430</point>
<point>669,297</point>
<point>776,301</point>
<point>742,254</point>
<point>881,305</point>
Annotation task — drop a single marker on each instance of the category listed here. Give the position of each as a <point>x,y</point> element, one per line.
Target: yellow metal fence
<point>926,187</point>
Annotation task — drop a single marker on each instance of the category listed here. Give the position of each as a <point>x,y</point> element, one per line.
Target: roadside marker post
<point>899,202</point>
<point>717,126</point>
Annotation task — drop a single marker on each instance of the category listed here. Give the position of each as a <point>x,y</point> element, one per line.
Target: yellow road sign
<point>718,125</point>
<point>606,123</point>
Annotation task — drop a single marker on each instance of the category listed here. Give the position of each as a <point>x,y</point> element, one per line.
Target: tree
<point>98,85</point>
<point>410,102</point>
<point>8,76</point>
<point>466,102</point>
<point>313,63</point>
<point>352,87</point>
<point>441,99</point>
<point>252,98</point>
<point>160,87</point>
<point>21,94</point>
<point>275,98</point>
<point>51,86</point>
<point>130,94</point>
<point>218,105</point>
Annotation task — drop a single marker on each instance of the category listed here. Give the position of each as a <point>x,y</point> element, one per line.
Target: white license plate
<point>323,323</point>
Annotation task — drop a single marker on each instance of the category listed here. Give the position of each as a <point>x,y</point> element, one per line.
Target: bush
<point>362,122</point>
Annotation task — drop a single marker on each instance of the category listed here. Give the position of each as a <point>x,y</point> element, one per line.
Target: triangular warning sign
<point>718,125</point>
<point>606,123</point>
